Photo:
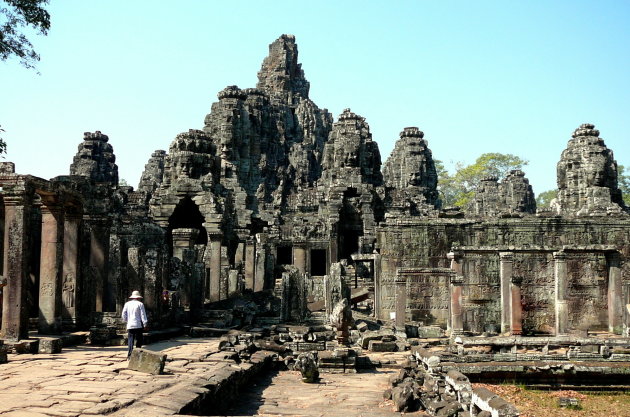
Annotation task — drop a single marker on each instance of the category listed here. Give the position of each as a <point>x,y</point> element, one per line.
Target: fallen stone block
<point>380,346</point>
<point>143,360</point>
<point>50,345</point>
<point>25,346</point>
<point>429,359</point>
<point>362,326</point>
<point>207,331</point>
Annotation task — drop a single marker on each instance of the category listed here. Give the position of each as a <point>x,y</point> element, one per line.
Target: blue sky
<point>485,76</point>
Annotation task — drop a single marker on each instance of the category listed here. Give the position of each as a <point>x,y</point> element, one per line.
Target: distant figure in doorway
<point>136,317</point>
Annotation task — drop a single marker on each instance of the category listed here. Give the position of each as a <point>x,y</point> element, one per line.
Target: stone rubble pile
<point>423,385</point>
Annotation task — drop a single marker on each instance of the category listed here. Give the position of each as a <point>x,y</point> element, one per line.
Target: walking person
<point>136,317</point>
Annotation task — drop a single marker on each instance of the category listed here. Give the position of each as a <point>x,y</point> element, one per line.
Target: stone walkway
<point>347,395</point>
<point>88,381</point>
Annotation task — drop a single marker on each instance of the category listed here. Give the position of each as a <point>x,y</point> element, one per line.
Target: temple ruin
<point>275,194</point>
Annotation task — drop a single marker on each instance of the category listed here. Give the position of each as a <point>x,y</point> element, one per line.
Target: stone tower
<point>511,197</point>
<point>95,159</point>
<point>587,176</point>
<point>410,175</point>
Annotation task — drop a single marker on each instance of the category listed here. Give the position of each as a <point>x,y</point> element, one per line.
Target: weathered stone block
<point>50,345</point>
<point>380,346</point>
<point>143,360</point>
<point>3,353</point>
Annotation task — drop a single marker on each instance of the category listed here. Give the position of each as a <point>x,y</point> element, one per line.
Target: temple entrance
<point>187,215</point>
<point>318,262</point>
<point>350,225</point>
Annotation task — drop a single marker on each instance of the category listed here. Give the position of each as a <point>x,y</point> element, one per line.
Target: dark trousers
<point>134,335</point>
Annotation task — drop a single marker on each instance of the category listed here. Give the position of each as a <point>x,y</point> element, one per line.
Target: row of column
<point>510,292</point>
<point>59,266</point>
<point>250,255</point>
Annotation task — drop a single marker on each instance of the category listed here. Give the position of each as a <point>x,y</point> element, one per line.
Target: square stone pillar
<point>457,280</point>
<point>98,259</point>
<point>505,276</point>
<point>261,262</point>
<point>561,288</point>
<point>183,238</point>
<point>299,255</point>
<point>615,295</point>
<point>626,311</point>
<point>214,243</point>
<point>14,311</point>
<point>70,274</point>
<point>401,301</point>
<point>250,263</point>
<point>50,269</point>
<point>516,310</point>
<point>135,269</point>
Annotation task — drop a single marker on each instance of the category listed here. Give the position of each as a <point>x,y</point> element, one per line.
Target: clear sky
<point>476,76</point>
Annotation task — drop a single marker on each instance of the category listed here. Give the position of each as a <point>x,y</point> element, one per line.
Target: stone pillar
<point>505,276</point>
<point>626,312</point>
<point>99,254</point>
<point>516,311</point>
<point>377,284</point>
<point>299,255</point>
<point>250,263</point>
<point>214,239</point>
<point>70,274</point>
<point>14,311</point>
<point>261,262</point>
<point>50,269</point>
<point>457,316</point>
<point>153,279</point>
<point>401,301</point>
<point>183,238</point>
<point>561,285</point>
<point>135,269</point>
<point>615,295</point>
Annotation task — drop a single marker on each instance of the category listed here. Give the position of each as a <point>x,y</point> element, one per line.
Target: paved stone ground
<point>88,380</point>
<point>347,395</point>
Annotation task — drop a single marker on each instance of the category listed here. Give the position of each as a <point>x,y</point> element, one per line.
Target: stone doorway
<point>187,216</point>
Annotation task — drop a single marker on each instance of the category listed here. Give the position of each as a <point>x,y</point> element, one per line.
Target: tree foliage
<point>544,199</point>
<point>16,15</point>
<point>623,181</point>
<point>459,189</point>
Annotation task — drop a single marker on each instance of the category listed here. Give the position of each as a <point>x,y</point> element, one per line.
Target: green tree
<point>459,189</point>
<point>544,199</point>
<point>14,16</point>
<point>623,181</point>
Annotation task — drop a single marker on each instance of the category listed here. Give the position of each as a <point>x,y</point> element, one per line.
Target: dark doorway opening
<point>187,215</point>
<point>318,262</point>
<point>284,255</point>
<point>350,225</point>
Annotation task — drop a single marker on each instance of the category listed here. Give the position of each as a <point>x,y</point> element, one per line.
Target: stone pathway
<point>347,395</point>
<point>88,380</point>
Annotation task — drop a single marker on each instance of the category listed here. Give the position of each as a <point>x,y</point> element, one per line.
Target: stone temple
<point>275,194</point>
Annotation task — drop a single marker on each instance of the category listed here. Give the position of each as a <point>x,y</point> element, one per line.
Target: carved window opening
<point>318,262</point>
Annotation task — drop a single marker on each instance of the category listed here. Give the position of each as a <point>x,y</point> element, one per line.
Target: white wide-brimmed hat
<point>135,294</point>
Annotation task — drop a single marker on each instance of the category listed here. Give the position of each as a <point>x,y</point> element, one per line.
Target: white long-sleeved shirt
<point>134,314</point>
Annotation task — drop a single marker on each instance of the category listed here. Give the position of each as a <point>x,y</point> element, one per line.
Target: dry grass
<point>534,403</point>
